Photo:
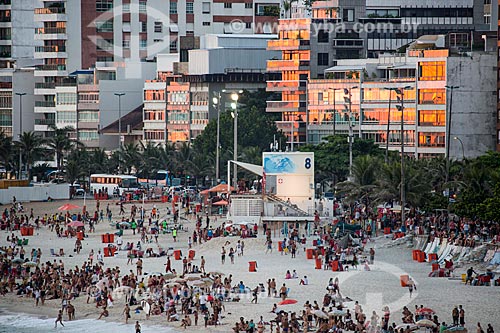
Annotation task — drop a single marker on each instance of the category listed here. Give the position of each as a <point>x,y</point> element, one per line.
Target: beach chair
<point>53,253</point>
<point>25,241</point>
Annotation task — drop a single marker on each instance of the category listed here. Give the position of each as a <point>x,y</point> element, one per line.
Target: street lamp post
<point>234,105</point>
<point>217,102</point>
<point>448,132</point>
<point>119,127</point>
<point>20,132</point>
<point>462,145</point>
<point>388,124</point>
<point>350,139</point>
<point>400,93</point>
<point>334,108</point>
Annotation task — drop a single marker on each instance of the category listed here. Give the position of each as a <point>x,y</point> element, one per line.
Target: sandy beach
<point>373,289</point>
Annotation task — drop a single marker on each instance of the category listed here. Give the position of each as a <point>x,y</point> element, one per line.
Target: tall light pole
<point>461,144</point>
<point>234,105</point>
<point>20,132</point>
<point>448,132</point>
<point>119,127</point>
<point>350,139</point>
<point>217,101</point>
<point>388,130</point>
<point>401,108</point>
<point>334,108</point>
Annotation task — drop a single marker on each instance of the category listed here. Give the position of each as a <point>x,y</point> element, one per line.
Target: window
<point>142,6</point>
<point>154,95</point>
<point>322,59</point>
<point>104,44</point>
<point>158,27</point>
<point>143,43</point>
<point>323,36</point>
<point>103,5</point>
<point>431,96</point>
<point>154,135</point>
<point>126,44</point>
<point>154,115</point>
<point>66,99</point>
<point>104,26</point>
<point>87,135</point>
<point>144,26</point>
<point>88,116</point>
<point>431,118</point>
<point>66,117</point>
<point>248,5</point>
<point>248,25</point>
<point>206,24</point>
<point>431,139</point>
<point>173,44</point>
<point>432,71</point>
<point>348,15</point>
<point>205,9</point>
<point>126,8</point>
<point>228,5</point>
<point>88,97</point>
<point>173,7</point>
<point>189,8</point>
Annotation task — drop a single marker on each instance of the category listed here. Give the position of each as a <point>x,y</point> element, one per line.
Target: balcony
<point>50,34</point>
<point>348,43</point>
<point>285,106</point>
<point>51,70</point>
<point>51,48</point>
<point>286,85</point>
<point>46,122</point>
<point>45,104</point>
<point>287,65</point>
<point>288,44</point>
<point>50,14</point>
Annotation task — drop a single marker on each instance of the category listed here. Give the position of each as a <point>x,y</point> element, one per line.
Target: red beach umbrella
<point>287,301</point>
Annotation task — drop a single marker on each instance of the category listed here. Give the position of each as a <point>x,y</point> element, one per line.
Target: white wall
<point>74,33</point>
<point>34,193</point>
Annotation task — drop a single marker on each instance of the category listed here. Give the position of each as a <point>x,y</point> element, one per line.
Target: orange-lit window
<point>431,139</point>
<point>380,94</point>
<point>379,116</point>
<point>154,115</point>
<point>178,135</point>
<point>432,118</point>
<point>154,95</point>
<point>432,71</point>
<point>431,96</point>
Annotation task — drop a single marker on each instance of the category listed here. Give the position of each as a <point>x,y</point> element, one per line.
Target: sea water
<point>21,323</point>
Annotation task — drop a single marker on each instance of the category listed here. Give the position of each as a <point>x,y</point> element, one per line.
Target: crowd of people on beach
<point>186,296</point>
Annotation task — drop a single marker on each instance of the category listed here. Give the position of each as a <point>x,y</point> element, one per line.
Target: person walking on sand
<point>223,255</point>
<point>255,292</point>
<point>372,255</point>
<point>411,286</point>
<point>126,313</point>
<point>137,327</point>
<point>283,292</point>
<point>461,315</point>
<point>202,265</point>
<point>168,266</point>
<point>59,319</point>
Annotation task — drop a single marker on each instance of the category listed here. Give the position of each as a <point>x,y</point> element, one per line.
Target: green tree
<point>6,150</point>
<point>129,158</point>
<point>364,182</point>
<point>60,144</point>
<point>32,149</point>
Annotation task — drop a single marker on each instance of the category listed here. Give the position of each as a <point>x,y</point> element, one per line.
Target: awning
<point>173,27</point>
<point>254,168</point>
<point>405,66</point>
<point>345,68</point>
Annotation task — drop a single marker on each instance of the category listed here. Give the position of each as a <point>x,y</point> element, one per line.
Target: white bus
<point>113,184</point>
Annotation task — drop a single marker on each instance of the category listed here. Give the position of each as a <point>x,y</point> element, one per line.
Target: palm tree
<point>99,162</point>
<point>5,150</point>
<point>31,146</point>
<point>364,179</point>
<point>60,144</point>
<point>130,157</point>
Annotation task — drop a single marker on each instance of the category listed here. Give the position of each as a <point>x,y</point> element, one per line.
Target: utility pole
<point>120,128</point>
<point>20,133</point>
<point>334,109</point>
<point>217,101</point>
<point>401,108</point>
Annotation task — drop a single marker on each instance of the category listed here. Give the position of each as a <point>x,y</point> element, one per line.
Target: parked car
<point>78,189</point>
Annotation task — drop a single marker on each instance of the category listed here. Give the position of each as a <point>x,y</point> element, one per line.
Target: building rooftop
<point>132,119</point>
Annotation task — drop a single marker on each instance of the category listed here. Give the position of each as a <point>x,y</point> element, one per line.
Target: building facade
<point>447,102</point>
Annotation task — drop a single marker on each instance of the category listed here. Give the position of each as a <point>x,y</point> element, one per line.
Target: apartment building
<point>16,61</point>
<point>497,6</point>
<point>178,103</point>
<point>437,119</point>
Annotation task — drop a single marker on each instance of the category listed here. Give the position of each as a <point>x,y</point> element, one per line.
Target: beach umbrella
<point>220,203</point>
<point>425,311</point>
<point>18,261</point>
<point>197,283</point>
<point>68,207</point>
<point>180,280</point>
<point>320,314</point>
<point>456,329</point>
<point>171,284</point>
<point>76,224</point>
<point>192,278</point>
<point>154,273</point>
<point>287,301</point>
<point>207,279</point>
<point>30,264</point>
<point>337,312</point>
<point>425,323</point>
<point>216,273</point>
<point>412,327</point>
<point>124,224</point>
